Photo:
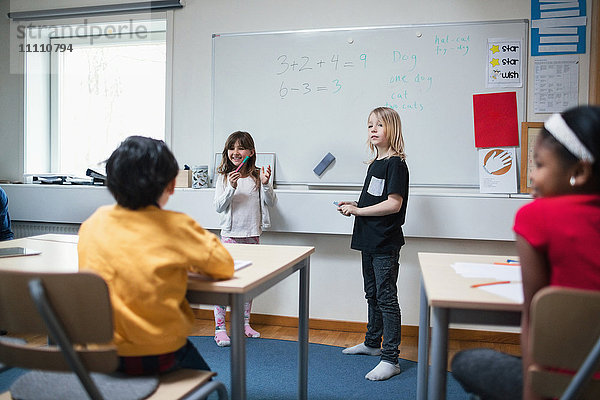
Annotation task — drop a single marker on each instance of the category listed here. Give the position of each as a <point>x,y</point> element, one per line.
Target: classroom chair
<point>565,335</point>
<point>74,311</point>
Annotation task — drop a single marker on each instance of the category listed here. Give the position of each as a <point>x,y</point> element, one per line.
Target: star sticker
<point>494,62</point>
<point>495,49</point>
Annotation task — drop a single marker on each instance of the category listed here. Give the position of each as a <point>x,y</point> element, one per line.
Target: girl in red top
<point>558,236</point>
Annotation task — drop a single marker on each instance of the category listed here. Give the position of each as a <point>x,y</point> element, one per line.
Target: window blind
<point>118,8</point>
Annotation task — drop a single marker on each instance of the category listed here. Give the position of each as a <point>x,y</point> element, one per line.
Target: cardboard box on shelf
<point>184,178</point>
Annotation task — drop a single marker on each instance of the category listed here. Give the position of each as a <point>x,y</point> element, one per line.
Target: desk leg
<point>238,349</point>
<point>303,330</point>
<point>439,353</point>
<point>423,365</point>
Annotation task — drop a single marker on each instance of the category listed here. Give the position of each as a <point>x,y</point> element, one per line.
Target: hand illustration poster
<point>497,170</point>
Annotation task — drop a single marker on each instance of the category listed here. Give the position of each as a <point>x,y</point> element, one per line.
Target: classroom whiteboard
<point>302,94</point>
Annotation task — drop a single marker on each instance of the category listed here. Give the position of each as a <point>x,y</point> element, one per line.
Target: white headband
<point>557,126</point>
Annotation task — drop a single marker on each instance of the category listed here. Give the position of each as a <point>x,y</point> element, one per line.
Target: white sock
<point>362,349</point>
<point>384,370</point>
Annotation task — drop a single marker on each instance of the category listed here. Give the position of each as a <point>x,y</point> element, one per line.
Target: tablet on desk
<point>17,251</point>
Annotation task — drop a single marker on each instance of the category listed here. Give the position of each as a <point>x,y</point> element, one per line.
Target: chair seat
<point>564,330</point>
<point>548,384</point>
<point>47,385</point>
<point>42,385</point>
<point>177,384</point>
<point>78,319</point>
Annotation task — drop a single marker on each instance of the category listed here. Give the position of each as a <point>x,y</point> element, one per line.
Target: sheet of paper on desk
<point>497,272</point>
<point>239,264</point>
<point>511,291</point>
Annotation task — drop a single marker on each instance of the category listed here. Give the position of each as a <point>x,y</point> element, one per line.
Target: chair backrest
<point>82,304</point>
<point>564,327</point>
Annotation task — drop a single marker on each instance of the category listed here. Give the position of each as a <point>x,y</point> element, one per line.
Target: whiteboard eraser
<point>322,166</point>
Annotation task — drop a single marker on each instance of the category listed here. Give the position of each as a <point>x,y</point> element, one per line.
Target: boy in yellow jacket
<point>144,254</point>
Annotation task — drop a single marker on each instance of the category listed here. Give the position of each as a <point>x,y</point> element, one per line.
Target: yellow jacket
<point>144,256</point>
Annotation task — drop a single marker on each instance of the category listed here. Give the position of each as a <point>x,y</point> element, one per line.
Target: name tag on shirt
<point>376,186</point>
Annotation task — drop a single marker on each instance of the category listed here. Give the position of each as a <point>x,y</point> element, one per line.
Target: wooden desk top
<point>55,257</point>
<point>267,261</point>
<point>446,288</point>
<point>59,254</point>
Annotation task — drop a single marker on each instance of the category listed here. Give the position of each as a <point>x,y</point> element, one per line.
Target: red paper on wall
<point>496,123</point>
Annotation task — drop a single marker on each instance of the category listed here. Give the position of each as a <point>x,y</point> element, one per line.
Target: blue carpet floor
<point>272,373</point>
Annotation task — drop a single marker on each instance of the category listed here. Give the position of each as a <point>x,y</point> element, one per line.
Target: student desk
<point>270,265</point>
<point>450,299</point>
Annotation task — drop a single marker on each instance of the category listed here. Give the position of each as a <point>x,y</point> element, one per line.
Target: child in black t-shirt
<point>379,216</point>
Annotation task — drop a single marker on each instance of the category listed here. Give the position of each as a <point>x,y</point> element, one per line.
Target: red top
<point>567,230</point>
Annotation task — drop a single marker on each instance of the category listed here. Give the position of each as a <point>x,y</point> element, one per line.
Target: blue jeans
<point>380,273</point>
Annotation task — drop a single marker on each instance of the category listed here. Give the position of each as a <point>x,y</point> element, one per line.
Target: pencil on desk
<point>493,283</point>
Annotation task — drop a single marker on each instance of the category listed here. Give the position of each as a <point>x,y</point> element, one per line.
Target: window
<point>100,83</point>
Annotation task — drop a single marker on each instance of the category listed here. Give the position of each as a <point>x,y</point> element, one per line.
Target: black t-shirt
<point>382,234</point>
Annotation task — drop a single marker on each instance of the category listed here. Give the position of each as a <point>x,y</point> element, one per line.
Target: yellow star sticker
<point>495,49</point>
<point>494,62</point>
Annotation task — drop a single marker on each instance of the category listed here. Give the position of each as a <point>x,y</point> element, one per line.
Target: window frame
<point>40,128</point>
<point>55,85</point>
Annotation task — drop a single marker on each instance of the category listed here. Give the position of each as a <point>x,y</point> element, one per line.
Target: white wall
<point>336,279</point>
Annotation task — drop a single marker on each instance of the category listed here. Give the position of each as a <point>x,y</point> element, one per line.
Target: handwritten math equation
<point>288,65</point>
<point>407,82</point>
<point>305,63</point>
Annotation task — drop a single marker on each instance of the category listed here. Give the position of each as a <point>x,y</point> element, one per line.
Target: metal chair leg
<point>585,373</point>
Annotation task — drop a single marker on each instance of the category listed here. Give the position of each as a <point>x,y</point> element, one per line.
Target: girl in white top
<point>242,197</point>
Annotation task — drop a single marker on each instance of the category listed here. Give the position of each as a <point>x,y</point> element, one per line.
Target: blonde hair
<point>392,128</point>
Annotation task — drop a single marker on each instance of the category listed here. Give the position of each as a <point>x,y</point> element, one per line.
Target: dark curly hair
<point>139,170</point>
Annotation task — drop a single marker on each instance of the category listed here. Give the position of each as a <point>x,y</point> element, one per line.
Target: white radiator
<point>26,228</point>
